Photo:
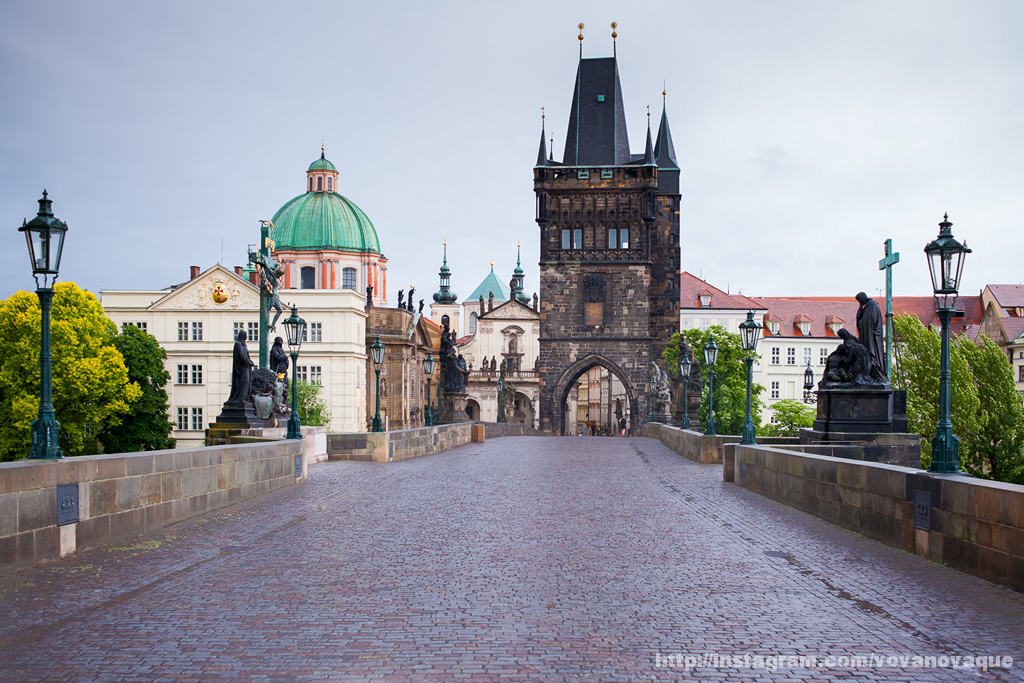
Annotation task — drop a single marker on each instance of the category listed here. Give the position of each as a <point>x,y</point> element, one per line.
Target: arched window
<point>472,323</point>
<point>310,184</point>
<point>307,277</point>
<point>330,184</point>
<point>319,183</point>
<point>348,278</point>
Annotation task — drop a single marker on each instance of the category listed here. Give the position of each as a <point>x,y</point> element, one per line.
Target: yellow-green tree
<point>91,389</point>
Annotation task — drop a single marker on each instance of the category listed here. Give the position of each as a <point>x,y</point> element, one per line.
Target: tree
<point>790,416</point>
<point>145,427</point>
<point>91,389</point>
<point>313,410</point>
<point>917,371</point>
<point>730,390</point>
<point>998,448</point>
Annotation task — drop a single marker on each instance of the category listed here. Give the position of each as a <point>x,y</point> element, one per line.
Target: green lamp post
<point>428,370</point>
<point>295,330</point>
<point>377,353</point>
<point>684,372</point>
<point>44,235</point>
<point>750,332</point>
<point>808,383</point>
<point>710,358</point>
<point>945,264</point>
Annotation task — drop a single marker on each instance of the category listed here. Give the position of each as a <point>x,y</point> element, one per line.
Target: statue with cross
<point>886,264</point>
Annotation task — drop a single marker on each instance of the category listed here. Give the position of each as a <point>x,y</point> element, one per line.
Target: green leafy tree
<point>917,371</point>
<point>91,389</point>
<point>790,417</point>
<point>313,410</point>
<point>145,427</point>
<point>998,448</point>
<point>730,377</point>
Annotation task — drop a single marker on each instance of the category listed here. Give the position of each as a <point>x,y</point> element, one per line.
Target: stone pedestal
<point>861,409</point>
<point>234,419</point>
<point>453,408</point>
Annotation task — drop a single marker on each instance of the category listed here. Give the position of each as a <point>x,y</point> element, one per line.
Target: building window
<point>301,373</point>
<point>791,356</point>
<point>197,419</point>
<point>141,325</point>
<point>315,372</point>
<point>705,323</point>
<point>182,331</point>
<point>1020,373</point>
<point>348,278</point>
<point>775,355</point>
<point>775,389</point>
<point>308,277</point>
<point>807,355</point>
<point>472,323</point>
<point>613,238</point>
<point>310,183</point>
<point>316,332</point>
<point>624,238</point>
<point>197,374</point>
<point>252,331</point>
<point>566,243</point>
<point>197,331</point>
<point>182,374</point>
<point>330,184</point>
<point>320,183</point>
<point>577,238</point>
<point>182,418</point>
<point>822,356</point>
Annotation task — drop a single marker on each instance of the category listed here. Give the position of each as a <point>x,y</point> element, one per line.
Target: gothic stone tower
<point>609,247</point>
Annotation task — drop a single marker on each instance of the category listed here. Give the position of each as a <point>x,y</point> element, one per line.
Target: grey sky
<point>803,129</point>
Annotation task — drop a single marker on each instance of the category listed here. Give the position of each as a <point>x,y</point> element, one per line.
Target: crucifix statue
<point>270,272</point>
<point>886,264</point>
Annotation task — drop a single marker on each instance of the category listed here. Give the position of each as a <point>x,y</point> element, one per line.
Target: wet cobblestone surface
<point>520,559</point>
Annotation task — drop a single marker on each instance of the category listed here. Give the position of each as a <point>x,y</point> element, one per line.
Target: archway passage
<point>473,409</point>
<point>594,401</point>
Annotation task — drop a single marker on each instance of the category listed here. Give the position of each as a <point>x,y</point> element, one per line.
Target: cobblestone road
<point>523,558</point>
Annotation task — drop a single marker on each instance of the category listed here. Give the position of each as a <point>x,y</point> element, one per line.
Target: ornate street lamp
<point>501,387</point>
<point>428,370</point>
<point>377,353</point>
<point>44,235</point>
<point>295,330</point>
<point>945,263</point>
<point>750,332</point>
<point>710,358</point>
<point>808,383</point>
<point>684,372</point>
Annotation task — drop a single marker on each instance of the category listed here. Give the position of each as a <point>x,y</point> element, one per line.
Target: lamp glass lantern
<point>808,377</point>
<point>428,371</point>
<point>684,367</point>
<point>377,353</point>
<point>44,236</point>
<point>946,258</point>
<point>294,330</point>
<point>684,372</point>
<point>750,332</point>
<point>710,353</point>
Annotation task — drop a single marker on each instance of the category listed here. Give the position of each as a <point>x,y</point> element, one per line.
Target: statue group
<point>454,373</point>
<point>858,361</point>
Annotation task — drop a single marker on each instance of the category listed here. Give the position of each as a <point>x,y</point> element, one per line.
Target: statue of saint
<point>369,295</point>
<point>278,357</point>
<point>420,311</point>
<point>270,274</point>
<point>870,331</point>
<point>409,306</point>
<point>401,298</point>
<point>241,370</point>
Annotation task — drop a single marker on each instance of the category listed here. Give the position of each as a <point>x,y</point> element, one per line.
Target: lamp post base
<point>46,438</point>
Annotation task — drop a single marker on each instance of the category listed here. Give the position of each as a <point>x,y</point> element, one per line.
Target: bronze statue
<point>270,272</point>
<point>849,364</point>
<point>421,307</point>
<point>409,306</point>
<point>241,370</point>
<point>401,298</point>
<point>369,295</point>
<point>870,331</point>
<point>278,357</point>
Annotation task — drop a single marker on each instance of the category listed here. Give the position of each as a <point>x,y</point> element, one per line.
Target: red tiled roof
<point>1008,296</point>
<point>691,287</point>
<point>1014,327</point>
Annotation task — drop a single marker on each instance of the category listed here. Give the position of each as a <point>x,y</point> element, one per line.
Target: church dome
<point>323,219</point>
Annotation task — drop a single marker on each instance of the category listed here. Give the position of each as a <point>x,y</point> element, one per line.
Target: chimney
<point>238,271</point>
<point>193,272</point>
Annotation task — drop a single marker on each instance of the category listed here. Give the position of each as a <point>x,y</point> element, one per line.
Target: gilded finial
<point>664,93</point>
<point>614,36</point>
<point>581,32</point>
<point>542,113</point>
<point>648,114</point>
<point>323,147</point>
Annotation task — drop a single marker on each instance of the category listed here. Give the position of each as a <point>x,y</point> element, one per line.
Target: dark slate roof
<point>597,121</point>
<point>542,153</point>
<point>664,151</point>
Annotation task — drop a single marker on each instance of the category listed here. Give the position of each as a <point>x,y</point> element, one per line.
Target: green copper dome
<point>323,220</point>
<point>322,164</point>
<point>490,284</point>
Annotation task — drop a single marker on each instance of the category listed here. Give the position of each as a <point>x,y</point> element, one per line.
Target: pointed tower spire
<point>542,153</point>
<point>649,149</point>
<point>445,295</point>
<point>551,149</point>
<point>517,277</point>
<point>664,152</point>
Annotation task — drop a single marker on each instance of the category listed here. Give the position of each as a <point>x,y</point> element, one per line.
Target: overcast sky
<point>807,132</point>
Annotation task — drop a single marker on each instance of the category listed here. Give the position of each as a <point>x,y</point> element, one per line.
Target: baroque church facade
<point>609,248</point>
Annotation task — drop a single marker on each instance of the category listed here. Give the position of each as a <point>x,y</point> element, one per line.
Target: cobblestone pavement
<point>521,559</point>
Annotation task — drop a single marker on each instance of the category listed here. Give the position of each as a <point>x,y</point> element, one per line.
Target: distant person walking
<point>622,426</point>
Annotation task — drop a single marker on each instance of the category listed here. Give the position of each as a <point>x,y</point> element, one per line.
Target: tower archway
<point>591,395</point>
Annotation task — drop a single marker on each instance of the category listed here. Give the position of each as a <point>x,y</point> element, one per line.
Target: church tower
<point>609,247</point>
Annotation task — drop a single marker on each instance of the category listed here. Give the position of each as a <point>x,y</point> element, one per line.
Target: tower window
<point>472,323</point>
<point>320,183</point>
<point>577,238</point>
<point>310,184</point>
<point>348,275</point>
<point>624,238</point>
<point>613,238</point>
<point>308,277</point>
<point>566,243</point>
<point>330,184</point>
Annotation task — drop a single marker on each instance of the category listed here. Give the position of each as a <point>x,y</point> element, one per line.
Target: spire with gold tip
<point>615,35</point>
<point>542,154</point>
<point>581,40</point>
<point>445,295</point>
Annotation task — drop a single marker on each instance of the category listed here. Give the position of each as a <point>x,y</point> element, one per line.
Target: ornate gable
<point>218,288</point>
<point>511,310</point>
